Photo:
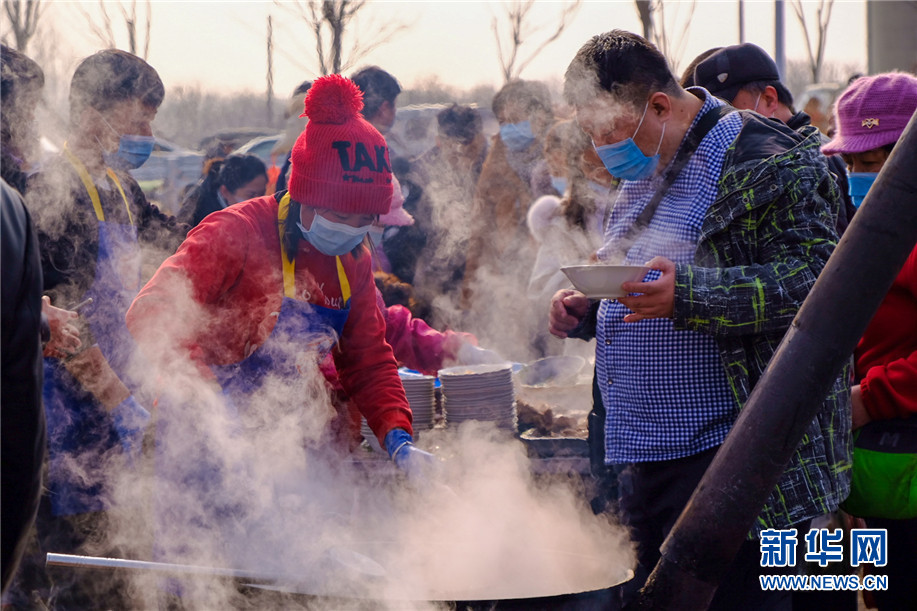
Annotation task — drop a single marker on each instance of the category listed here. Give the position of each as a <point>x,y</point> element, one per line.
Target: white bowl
<point>603,281</point>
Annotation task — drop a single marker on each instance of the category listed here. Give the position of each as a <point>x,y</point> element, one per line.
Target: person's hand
<point>65,337</point>
<point>130,420</point>
<point>858,408</point>
<point>416,464</point>
<point>568,307</point>
<point>469,354</point>
<point>656,298</point>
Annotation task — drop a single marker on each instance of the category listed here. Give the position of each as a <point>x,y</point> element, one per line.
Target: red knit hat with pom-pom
<point>340,161</point>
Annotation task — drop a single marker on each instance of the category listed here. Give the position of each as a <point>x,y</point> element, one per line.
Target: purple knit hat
<point>872,112</point>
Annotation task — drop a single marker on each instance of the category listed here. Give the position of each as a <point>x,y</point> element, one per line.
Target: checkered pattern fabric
<point>665,390</point>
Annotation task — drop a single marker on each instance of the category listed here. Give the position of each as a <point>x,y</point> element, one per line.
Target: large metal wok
<point>352,567</point>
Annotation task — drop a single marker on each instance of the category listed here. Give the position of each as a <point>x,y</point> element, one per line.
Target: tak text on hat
<point>340,162</point>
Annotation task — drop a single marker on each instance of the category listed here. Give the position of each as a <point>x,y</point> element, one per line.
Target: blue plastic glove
<point>130,420</point>
<point>416,463</point>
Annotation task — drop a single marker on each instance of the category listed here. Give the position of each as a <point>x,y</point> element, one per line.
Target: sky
<point>221,45</point>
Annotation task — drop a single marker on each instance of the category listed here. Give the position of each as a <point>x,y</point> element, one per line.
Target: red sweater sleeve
<point>416,344</point>
<point>364,361</point>
<point>172,313</point>
<point>890,391</point>
<point>888,350</point>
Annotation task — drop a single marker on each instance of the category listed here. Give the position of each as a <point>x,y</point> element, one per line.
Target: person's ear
<point>661,104</point>
<point>769,101</point>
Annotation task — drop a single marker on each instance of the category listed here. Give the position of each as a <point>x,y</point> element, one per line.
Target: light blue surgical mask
<point>133,151</point>
<point>517,136</point>
<point>333,239</point>
<point>375,234</point>
<point>859,184</point>
<point>559,183</point>
<point>625,160</point>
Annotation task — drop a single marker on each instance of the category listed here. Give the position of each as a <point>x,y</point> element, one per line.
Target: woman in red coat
<point>259,292</point>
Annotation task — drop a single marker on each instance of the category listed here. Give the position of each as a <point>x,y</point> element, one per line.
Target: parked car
<point>261,147</point>
<point>168,171</point>
<point>231,139</point>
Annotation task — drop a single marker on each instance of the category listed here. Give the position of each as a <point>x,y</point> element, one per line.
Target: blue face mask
<point>333,239</point>
<point>375,234</point>
<point>625,160</point>
<point>859,184</point>
<point>559,183</point>
<point>517,136</point>
<point>133,151</point>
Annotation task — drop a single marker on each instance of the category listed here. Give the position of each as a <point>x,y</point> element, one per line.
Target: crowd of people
<point>312,286</point>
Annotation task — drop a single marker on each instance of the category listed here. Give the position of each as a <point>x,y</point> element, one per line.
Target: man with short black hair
<point>96,230</point>
<point>745,76</point>
<point>734,216</point>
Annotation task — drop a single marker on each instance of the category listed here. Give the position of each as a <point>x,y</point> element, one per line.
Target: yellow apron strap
<point>114,178</point>
<point>289,266</point>
<point>91,187</point>
<point>345,284</point>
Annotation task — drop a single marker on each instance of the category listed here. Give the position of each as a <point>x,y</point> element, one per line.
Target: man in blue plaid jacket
<point>734,242</point>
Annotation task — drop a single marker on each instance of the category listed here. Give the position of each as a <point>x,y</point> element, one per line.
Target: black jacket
<point>22,418</point>
<point>838,168</point>
<point>68,230</point>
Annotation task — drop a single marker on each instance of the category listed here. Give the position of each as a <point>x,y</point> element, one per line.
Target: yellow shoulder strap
<point>91,187</point>
<point>289,265</point>
<point>342,278</point>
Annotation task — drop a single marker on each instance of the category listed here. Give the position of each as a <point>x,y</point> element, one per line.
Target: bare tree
<point>521,30</point>
<point>645,11</point>
<point>24,16</point>
<point>137,27</point>
<point>330,21</point>
<point>822,18</point>
<point>657,27</point>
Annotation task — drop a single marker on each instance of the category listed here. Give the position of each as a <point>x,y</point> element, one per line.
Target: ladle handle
<point>92,562</point>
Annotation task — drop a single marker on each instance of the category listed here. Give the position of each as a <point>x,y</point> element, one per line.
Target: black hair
<point>235,171</point>
<point>292,234</point>
<point>462,123</point>
<point>18,74</point>
<point>532,96</point>
<point>620,63</point>
<point>111,76</point>
<point>302,88</point>
<point>378,86</point>
<point>783,95</point>
<point>687,77</point>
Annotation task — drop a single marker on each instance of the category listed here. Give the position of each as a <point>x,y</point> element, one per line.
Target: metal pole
<point>720,513</point>
<point>780,39</point>
<point>270,71</point>
<point>741,21</point>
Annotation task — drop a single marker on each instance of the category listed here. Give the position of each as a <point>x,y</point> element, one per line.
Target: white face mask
<point>333,239</point>
<point>755,109</point>
<point>375,234</point>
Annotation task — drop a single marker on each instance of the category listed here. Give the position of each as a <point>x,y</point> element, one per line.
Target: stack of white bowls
<point>420,392</point>
<point>421,395</point>
<point>479,392</point>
